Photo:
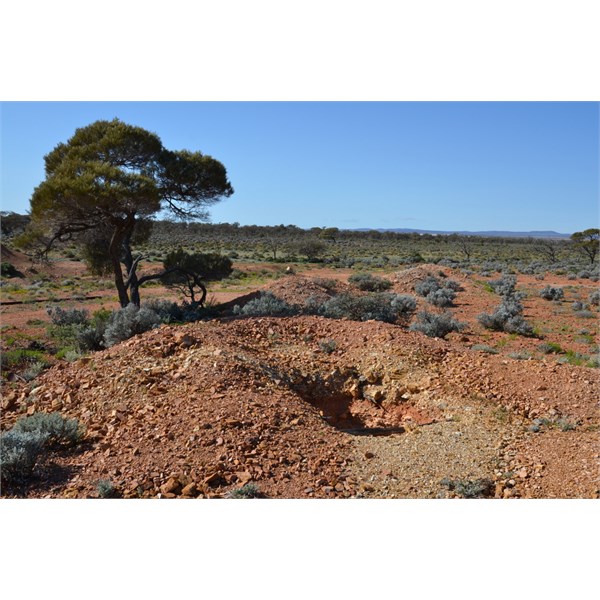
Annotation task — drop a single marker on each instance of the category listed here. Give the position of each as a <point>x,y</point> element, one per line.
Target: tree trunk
<point>114,249</point>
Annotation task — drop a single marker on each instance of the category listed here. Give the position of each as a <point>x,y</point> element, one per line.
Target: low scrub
<point>467,488</point>
<point>53,426</point>
<point>129,321</point>
<point>434,325</point>
<point>266,305</point>
<point>389,308</point>
<point>19,453</point>
<point>552,293</point>
<point>508,318</point>
<point>369,283</point>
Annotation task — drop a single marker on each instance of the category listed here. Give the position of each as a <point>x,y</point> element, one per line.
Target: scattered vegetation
<point>434,325</point>
<point>552,293</point>
<point>22,446</point>
<point>106,489</point>
<point>250,490</point>
<point>467,488</point>
<point>369,283</point>
<point>56,429</point>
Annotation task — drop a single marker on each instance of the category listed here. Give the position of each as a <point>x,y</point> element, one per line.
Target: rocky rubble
<point>199,410</point>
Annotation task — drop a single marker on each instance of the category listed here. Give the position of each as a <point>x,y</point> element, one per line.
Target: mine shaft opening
<point>347,413</point>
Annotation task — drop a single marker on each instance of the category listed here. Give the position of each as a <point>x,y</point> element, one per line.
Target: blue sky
<point>472,166</point>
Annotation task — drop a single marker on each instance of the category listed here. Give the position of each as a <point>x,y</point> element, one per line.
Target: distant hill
<point>517,234</point>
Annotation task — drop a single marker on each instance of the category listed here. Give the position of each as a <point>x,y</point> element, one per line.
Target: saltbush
<point>266,305</point>
<point>442,297</point>
<point>19,452</point>
<point>369,283</point>
<point>507,317</point>
<point>127,322</point>
<point>385,307</point>
<point>434,325</point>
<point>552,293</point>
<point>53,426</point>
<point>427,286</point>
<point>69,316</point>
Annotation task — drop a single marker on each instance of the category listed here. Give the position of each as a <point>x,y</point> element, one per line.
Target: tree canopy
<point>588,241</point>
<point>105,184</point>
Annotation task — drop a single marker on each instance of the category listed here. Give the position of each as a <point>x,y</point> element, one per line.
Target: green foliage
<point>484,348</point>
<point>106,489</point>
<point>434,325</point>
<point>369,283</point>
<point>53,426</point>
<point>328,346</point>
<point>389,308</point>
<point>467,488</point>
<point>9,270</point>
<point>19,453</point>
<point>266,305</point>
<point>588,242</point>
<point>106,183</point>
<point>186,271</point>
<point>550,348</point>
<point>127,322</point>
<point>73,316</point>
<point>552,293</point>
<point>250,490</point>
<point>20,357</point>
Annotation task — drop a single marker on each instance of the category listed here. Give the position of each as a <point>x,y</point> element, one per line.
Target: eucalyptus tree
<point>105,185</point>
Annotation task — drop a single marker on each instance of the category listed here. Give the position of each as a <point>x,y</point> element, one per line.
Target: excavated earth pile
<point>307,407</point>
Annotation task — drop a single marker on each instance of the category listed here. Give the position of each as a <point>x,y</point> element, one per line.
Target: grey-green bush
<point>127,322</point>
<point>19,452</point>
<point>266,305</point>
<point>552,293</point>
<point>69,316</point>
<point>434,325</point>
<point>442,297</point>
<point>427,286</point>
<point>53,426</point>
<point>369,283</point>
<point>507,317</point>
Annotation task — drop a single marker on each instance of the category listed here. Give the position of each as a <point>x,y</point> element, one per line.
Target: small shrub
<point>507,317</point>
<point>250,490</point>
<point>8,270</point>
<point>266,305</point>
<point>19,452</point>
<point>434,325</point>
<point>369,283</point>
<point>443,297</point>
<point>427,286</point>
<point>70,316</point>
<point>576,306</point>
<point>594,298</point>
<point>35,370</point>
<point>550,348</point>
<point>404,306</point>
<point>20,357</point>
<point>552,293</point>
<point>328,346</point>
<point>53,426</point>
<point>106,489</point>
<point>484,348</point>
<point>376,307</point>
<point>521,355</point>
<point>585,314</point>
<point>477,488</point>
<point>127,322</point>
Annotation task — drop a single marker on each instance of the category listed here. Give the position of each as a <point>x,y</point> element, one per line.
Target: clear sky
<point>472,166</point>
